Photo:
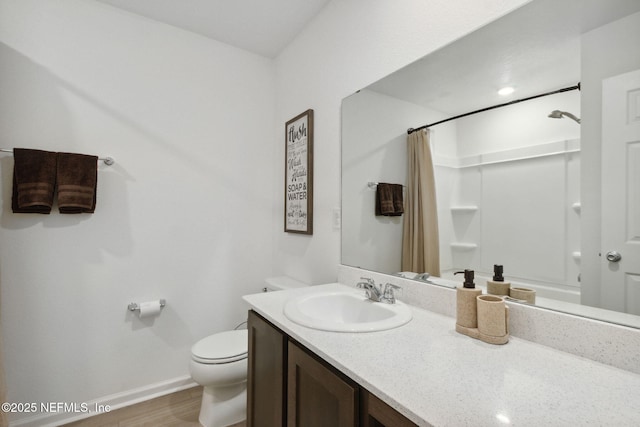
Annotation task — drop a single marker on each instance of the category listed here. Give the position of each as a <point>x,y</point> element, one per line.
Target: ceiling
<point>535,49</point>
<point>264,27</point>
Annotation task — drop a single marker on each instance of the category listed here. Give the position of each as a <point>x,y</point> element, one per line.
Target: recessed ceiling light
<point>503,418</point>
<point>506,91</point>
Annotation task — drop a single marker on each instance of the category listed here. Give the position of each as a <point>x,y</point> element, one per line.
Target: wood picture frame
<point>298,174</point>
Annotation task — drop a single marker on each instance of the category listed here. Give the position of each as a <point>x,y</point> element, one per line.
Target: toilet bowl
<point>219,364</point>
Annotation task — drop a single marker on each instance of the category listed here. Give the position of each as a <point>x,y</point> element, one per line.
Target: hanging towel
<point>389,201</point>
<point>398,200</point>
<point>34,180</point>
<point>384,199</point>
<point>77,181</point>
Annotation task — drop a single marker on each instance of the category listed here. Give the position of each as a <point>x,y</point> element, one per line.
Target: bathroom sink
<point>345,311</point>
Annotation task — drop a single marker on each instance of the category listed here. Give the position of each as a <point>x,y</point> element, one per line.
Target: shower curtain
<point>420,242</point>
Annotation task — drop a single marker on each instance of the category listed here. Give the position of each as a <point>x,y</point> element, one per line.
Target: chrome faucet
<point>372,291</point>
<point>424,277</point>
<point>376,293</point>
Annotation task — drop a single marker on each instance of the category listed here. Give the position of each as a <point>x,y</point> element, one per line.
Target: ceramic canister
<point>492,316</point>
<point>528,295</point>
<point>466,307</point>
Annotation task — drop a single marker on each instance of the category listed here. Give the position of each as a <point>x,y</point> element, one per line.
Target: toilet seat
<point>223,347</point>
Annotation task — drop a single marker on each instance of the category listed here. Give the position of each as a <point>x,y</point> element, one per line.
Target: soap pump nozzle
<point>468,278</point>
<point>497,273</point>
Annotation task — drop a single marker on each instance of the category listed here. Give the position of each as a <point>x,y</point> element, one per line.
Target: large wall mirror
<point>548,187</point>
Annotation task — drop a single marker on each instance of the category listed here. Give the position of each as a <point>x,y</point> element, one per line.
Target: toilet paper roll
<point>149,308</point>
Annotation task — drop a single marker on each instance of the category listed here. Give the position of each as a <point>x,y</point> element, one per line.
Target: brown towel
<point>34,180</point>
<point>389,199</point>
<point>384,199</point>
<point>398,199</point>
<point>77,181</point>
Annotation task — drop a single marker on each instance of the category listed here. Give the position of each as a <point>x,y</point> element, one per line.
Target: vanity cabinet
<point>288,385</point>
<point>317,396</point>
<point>266,373</point>
<point>379,414</point>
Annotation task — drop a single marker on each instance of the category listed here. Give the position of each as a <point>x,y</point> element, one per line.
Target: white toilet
<point>219,364</point>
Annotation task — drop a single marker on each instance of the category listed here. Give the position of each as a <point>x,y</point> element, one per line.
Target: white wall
<point>185,213</point>
<point>351,44</point>
<point>519,125</point>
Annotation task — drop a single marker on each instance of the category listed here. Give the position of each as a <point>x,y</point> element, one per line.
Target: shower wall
<point>514,195</point>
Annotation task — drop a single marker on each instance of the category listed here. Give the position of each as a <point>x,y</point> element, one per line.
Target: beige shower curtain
<point>420,242</point>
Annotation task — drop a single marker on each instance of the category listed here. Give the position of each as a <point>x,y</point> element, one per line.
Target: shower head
<point>557,114</point>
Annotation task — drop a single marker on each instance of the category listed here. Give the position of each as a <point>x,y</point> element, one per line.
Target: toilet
<point>219,364</point>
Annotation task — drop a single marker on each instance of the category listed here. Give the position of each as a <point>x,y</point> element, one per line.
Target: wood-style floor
<point>173,410</point>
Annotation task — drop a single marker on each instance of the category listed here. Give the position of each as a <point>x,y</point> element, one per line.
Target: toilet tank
<point>281,283</point>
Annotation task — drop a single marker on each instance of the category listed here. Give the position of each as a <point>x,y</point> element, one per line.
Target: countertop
<point>435,376</point>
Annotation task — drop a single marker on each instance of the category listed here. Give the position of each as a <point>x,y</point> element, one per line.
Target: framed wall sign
<point>298,176</point>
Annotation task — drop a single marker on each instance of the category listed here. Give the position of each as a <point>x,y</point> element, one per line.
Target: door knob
<point>613,256</point>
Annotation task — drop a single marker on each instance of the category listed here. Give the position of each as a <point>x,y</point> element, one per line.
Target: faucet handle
<point>389,292</point>
<point>368,281</point>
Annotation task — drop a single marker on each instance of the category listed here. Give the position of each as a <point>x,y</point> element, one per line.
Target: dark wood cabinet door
<point>376,413</point>
<point>266,374</point>
<point>318,396</point>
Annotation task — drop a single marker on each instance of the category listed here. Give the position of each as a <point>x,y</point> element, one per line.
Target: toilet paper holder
<point>135,306</point>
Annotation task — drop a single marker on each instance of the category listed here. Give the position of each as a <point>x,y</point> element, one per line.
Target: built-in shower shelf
<point>463,209</point>
<point>577,206</point>
<point>464,246</point>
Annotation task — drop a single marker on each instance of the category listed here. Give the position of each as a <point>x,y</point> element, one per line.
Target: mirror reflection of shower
<point>557,114</point>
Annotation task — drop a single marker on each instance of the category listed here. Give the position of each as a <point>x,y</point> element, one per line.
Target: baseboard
<point>113,402</point>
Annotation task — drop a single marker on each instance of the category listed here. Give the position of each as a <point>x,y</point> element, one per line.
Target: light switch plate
<point>336,219</point>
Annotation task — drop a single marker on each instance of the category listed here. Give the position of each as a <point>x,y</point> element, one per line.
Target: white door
<point>620,260</point>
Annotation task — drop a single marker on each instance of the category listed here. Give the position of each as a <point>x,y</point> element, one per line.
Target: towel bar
<point>135,306</point>
<point>106,160</point>
<point>372,185</point>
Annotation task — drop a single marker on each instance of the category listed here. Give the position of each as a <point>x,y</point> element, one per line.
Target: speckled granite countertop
<point>435,376</point>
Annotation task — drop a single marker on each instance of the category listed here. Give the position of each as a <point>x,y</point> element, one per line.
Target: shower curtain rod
<point>515,101</point>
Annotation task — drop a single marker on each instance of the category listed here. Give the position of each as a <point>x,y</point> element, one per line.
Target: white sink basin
<point>345,311</point>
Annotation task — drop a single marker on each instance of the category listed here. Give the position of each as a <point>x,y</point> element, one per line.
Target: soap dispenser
<point>498,286</point>
<point>466,305</point>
